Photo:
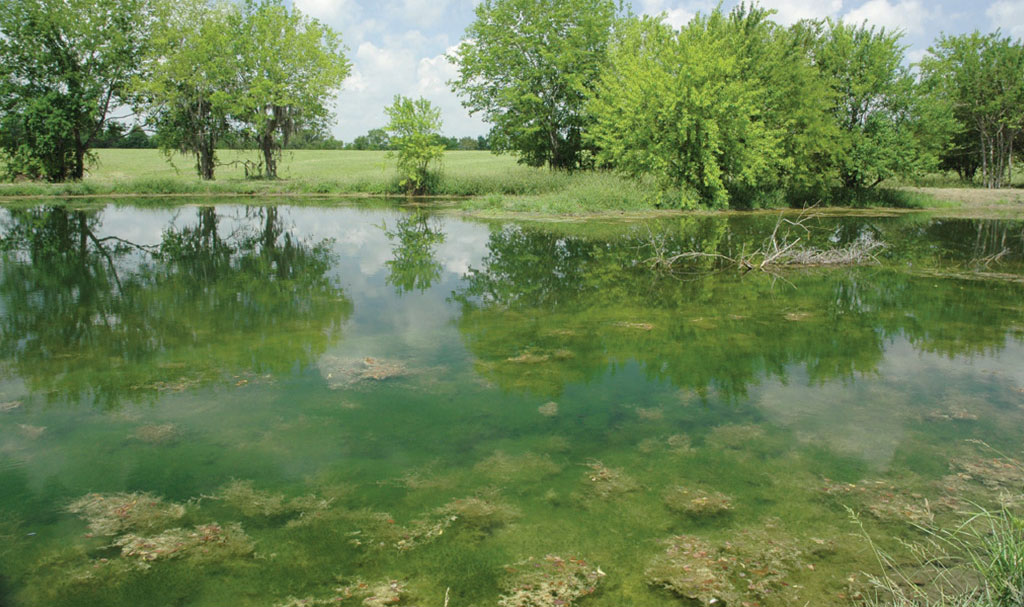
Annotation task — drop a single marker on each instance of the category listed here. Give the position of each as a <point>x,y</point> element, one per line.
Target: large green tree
<point>64,65</point>
<point>888,126</point>
<point>290,66</point>
<point>527,67</point>
<point>982,78</point>
<point>415,128</point>
<point>727,107</point>
<point>189,80</point>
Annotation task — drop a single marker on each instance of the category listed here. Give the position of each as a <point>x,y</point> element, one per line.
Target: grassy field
<point>483,183</point>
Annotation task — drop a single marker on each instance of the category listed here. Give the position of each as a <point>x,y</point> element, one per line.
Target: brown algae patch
<point>10,405</point>
<point>884,500</point>
<point>524,467</point>
<point>116,513</point>
<point>204,542</point>
<point>553,581</point>
<point>751,568</point>
<point>157,434</point>
<point>697,502</point>
<point>349,372</point>
<point>606,483</point>
<point>548,409</point>
<point>379,594</point>
<point>30,431</point>
<point>253,503</point>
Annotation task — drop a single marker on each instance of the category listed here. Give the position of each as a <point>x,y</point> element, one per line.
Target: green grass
<point>490,184</point>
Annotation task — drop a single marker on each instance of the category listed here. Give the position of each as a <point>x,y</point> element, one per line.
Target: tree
<point>888,127</point>
<point>413,264</point>
<point>189,80</point>
<point>64,64</point>
<point>527,66</point>
<point>290,67</point>
<point>982,78</point>
<point>705,110</point>
<point>414,127</point>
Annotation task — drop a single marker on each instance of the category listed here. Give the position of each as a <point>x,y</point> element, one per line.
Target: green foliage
<point>707,109</point>
<point>289,67</point>
<point>414,126</point>
<point>187,88</point>
<point>64,64</point>
<point>982,78</point>
<point>888,127</point>
<point>527,66</point>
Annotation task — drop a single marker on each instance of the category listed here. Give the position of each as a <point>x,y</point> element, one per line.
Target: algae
<point>209,542</point>
<point>157,434</point>
<point>9,406</point>
<point>606,483</point>
<point>751,567</point>
<point>548,409</point>
<point>524,467</point>
<point>116,513</point>
<point>343,373</point>
<point>553,581</point>
<point>697,502</point>
<point>253,503</point>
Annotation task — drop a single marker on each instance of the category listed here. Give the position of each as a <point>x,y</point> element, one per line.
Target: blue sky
<point>399,46</point>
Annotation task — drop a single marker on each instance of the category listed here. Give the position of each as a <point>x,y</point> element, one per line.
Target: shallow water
<point>395,364</point>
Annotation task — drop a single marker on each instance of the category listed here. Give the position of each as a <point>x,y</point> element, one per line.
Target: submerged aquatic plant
<point>751,567</point>
<point>253,503</point>
<point>348,372</point>
<point>553,581</point>
<point>205,542</point>
<point>157,434</point>
<point>697,502</point>
<point>605,483</point>
<point>116,513</point>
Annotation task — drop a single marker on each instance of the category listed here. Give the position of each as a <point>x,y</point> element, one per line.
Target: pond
<point>373,405</point>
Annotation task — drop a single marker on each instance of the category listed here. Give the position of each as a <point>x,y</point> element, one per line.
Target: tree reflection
<point>88,317</point>
<point>552,306</point>
<point>413,266</point>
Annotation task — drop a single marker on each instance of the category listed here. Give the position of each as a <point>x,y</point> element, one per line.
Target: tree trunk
<point>270,162</point>
<point>206,158</point>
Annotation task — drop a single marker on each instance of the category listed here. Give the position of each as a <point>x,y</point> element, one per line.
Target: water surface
<point>385,396</point>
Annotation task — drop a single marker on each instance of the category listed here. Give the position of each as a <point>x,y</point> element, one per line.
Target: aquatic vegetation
<point>480,514</point>
<point>994,473</point>
<point>952,414</point>
<point>736,437</point>
<point>10,406</point>
<point>548,409</point>
<point>679,444</point>
<point>697,502</point>
<point>380,594</point>
<point>650,414</point>
<point>605,483</point>
<point>157,434</point>
<point>640,326</point>
<point>750,568</point>
<point>502,467</point>
<point>253,503</point>
<point>31,432</point>
<point>553,581</point>
<point>348,372</point>
<point>204,542</point>
<point>116,513</point>
<point>884,500</point>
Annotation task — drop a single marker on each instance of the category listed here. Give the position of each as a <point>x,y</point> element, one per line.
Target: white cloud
<point>789,12</point>
<point>906,15</point>
<point>1007,15</point>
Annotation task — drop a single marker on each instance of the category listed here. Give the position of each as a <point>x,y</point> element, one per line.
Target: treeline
<point>733,109</point>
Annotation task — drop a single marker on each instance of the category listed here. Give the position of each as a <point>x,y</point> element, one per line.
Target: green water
<point>390,363</point>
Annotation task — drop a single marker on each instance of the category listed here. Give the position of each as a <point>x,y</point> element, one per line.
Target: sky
<point>399,47</point>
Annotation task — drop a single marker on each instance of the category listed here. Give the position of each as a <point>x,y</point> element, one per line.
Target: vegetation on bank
<point>486,182</point>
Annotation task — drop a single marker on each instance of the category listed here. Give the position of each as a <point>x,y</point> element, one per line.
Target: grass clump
<point>553,581</point>
<point>116,513</point>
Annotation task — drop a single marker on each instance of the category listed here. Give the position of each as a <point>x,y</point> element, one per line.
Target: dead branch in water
<point>782,248</point>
